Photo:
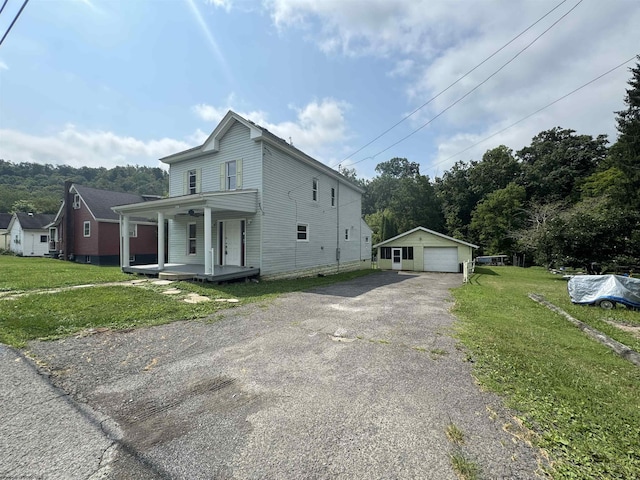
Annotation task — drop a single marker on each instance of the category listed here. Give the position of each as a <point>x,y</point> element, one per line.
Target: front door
<point>232,242</point>
<point>396,258</point>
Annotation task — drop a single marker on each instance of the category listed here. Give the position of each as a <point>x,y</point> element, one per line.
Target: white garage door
<point>441,259</point>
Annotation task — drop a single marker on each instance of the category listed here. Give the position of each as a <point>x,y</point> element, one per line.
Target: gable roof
<point>32,221</point>
<point>5,218</point>
<point>99,202</point>
<point>426,230</point>
<point>212,144</point>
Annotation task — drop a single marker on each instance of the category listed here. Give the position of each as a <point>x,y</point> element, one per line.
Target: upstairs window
<point>315,190</point>
<point>231,175</point>
<point>347,234</point>
<point>192,182</point>
<point>76,201</point>
<point>333,197</point>
<point>87,229</point>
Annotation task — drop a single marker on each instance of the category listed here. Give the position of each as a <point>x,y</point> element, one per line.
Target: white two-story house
<point>248,202</point>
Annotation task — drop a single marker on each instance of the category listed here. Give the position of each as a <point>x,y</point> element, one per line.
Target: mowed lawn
<point>26,313</point>
<point>581,401</point>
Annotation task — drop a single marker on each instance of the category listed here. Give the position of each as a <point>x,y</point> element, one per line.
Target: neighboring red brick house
<point>86,230</point>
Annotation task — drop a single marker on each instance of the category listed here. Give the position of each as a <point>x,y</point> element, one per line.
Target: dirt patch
<point>632,329</point>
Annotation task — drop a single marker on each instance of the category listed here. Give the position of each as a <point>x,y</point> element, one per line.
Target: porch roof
<point>244,201</point>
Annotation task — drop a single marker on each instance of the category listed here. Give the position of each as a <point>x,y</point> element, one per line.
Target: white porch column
<point>207,241</point>
<point>125,241</point>
<point>160,241</point>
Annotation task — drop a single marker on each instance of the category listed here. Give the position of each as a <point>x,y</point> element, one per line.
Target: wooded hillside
<point>39,188</point>
<point>565,199</point>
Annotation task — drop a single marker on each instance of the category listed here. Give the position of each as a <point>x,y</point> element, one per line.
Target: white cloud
<point>430,44</point>
<point>75,147</point>
<point>224,4</point>
<point>318,129</point>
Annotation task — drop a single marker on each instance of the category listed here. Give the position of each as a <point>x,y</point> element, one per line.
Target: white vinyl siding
<point>288,201</point>
<point>234,145</point>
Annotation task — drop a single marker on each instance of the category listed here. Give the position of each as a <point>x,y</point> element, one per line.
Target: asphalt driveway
<point>358,380</point>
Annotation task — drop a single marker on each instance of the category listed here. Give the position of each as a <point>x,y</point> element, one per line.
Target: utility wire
<point>14,20</point>
<point>458,80</point>
<point>473,89</point>
<point>535,113</point>
<point>3,4</point>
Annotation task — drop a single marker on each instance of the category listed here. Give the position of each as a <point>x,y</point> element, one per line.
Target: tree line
<point>565,199</point>
<point>37,188</point>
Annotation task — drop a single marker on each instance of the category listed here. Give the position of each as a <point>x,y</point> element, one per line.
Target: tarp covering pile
<point>592,289</point>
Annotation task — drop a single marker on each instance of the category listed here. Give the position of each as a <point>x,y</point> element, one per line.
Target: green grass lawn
<point>54,315</point>
<point>25,273</point>
<point>581,399</point>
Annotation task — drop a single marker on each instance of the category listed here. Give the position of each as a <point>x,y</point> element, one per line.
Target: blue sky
<point>117,82</point>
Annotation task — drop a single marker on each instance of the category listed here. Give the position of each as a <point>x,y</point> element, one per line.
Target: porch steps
<point>176,276</point>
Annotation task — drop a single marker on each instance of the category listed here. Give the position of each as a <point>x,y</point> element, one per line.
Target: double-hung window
<point>347,234</point>
<point>315,190</point>
<point>333,196</point>
<point>303,232</point>
<point>87,229</point>
<point>192,182</point>
<point>231,175</point>
<point>191,240</point>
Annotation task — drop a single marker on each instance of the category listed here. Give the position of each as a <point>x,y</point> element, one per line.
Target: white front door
<point>396,258</point>
<point>232,251</point>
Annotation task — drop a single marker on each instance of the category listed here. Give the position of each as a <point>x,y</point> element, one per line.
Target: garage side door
<point>441,259</point>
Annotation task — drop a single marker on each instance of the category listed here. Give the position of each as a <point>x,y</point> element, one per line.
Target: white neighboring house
<point>29,235</point>
<point>248,199</point>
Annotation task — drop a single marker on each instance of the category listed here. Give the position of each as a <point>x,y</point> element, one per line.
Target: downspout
<point>338,226</point>
<point>295,248</point>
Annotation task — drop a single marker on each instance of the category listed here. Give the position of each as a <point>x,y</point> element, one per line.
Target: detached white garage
<point>423,250</point>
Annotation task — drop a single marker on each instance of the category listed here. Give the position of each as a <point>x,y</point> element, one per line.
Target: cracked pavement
<point>355,380</point>
<point>43,433</point>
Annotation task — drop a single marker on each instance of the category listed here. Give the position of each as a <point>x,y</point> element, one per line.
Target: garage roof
<point>426,230</point>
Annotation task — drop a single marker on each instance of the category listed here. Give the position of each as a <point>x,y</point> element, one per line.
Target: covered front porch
<point>194,221</point>
<point>177,271</point>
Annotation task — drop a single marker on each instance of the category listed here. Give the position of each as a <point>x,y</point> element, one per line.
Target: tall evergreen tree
<point>625,153</point>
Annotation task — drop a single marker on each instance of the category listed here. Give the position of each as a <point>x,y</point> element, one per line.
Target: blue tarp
<point>592,289</point>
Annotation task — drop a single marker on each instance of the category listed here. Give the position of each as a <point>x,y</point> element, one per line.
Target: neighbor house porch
<point>195,221</point>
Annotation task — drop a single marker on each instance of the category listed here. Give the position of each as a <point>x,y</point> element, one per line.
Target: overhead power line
<point>474,88</point>
<point>535,113</point>
<point>3,4</point>
<point>14,20</point>
<point>456,81</point>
